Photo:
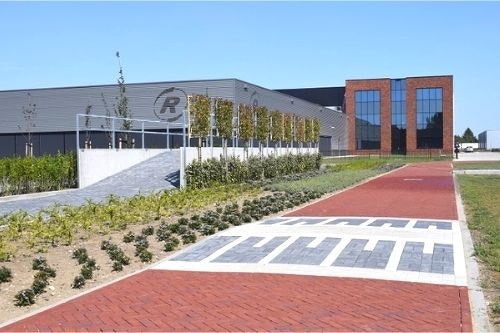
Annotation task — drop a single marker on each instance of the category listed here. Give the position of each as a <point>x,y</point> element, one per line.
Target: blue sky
<point>272,44</point>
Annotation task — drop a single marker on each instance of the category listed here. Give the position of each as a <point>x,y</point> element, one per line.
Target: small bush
<point>117,266</point>
<point>81,255</point>
<point>5,274</point>
<point>39,284</point>
<point>87,272</point>
<point>128,237</point>
<point>145,256</point>
<point>91,263</point>
<point>39,263</point>
<point>78,282</point>
<point>189,237</point>
<point>171,244</point>
<point>495,306</point>
<point>25,297</point>
<point>148,231</point>
<point>163,232</point>
<point>105,244</point>
<point>141,244</point>
<point>116,255</point>
<point>207,229</point>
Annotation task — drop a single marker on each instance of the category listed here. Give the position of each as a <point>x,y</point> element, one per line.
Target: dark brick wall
<point>384,85</point>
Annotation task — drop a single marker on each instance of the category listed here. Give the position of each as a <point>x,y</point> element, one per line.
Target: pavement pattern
<point>331,268</point>
<point>142,178</point>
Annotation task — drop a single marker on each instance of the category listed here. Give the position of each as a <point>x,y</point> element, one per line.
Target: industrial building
<point>489,140</point>
<point>412,115</point>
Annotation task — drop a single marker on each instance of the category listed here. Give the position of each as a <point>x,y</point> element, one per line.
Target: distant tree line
<point>467,137</point>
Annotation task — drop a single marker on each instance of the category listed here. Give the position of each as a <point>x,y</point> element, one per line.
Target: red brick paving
<point>199,301</point>
<point>433,197</point>
<point>157,300</point>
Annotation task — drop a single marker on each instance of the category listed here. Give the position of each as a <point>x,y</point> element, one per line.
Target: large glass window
<point>367,119</point>
<point>398,112</point>
<point>430,118</point>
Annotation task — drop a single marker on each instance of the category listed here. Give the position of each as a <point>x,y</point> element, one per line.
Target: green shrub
<point>189,237</point>
<point>39,263</point>
<point>81,255</point>
<point>145,256</point>
<point>201,174</point>
<point>87,272</point>
<point>148,231</point>
<point>128,237</point>
<point>20,175</point>
<point>39,284</point>
<point>170,244</point>
<point>495,305</point>
<point>5,274</point>
<point>25,297</point>
<point>78,282</point>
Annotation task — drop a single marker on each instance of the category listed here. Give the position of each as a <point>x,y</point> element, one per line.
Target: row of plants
<point>19,175</point>
<point>59,225</point>
<point>203,174</point>
<point>87,270</point>
<point>27,296</point>
<point>253,122</point>
<point>185,229</point>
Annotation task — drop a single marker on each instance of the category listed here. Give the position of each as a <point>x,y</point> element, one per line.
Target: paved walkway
<point>313,270</point>
<point>155,174</point>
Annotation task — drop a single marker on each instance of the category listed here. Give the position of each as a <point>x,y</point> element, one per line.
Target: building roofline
<point>115,84</point>
<point>399,78</point>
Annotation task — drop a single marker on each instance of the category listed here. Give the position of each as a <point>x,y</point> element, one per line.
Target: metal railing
<point>137,126</point>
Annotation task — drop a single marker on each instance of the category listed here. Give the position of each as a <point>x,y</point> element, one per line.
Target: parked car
<point>468,149</point>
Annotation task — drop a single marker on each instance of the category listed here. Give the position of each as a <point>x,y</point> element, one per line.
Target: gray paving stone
<point>274,221</point>
<point>155,174</point>
<point>438,224</point>
<point>440,261</point>
<point>246,252</point>
<point>393,222</point>
<point>205,248</point>
<point>299,253</point>
<point>353,254</point>
<point>349,221</point>
<point>305,221</point>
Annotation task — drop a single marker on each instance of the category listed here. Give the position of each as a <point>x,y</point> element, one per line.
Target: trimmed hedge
<point>201,174</point>
<point>19,175</point>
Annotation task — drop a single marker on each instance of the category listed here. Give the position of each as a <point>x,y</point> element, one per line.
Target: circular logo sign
<point>166,105</point>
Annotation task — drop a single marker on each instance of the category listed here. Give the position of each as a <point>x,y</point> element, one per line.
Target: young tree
<point>199,114</point>
<point>121,106</point>
<point>224,121</point>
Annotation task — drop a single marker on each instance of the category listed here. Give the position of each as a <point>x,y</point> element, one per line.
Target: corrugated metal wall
<point>56,110</point>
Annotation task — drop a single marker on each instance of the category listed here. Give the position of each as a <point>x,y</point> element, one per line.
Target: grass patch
<point>484,165</point>
<point>338,176</point>
<point>386,159</point>
<point>481,195</point>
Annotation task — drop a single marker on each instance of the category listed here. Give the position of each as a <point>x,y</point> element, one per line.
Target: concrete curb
<point>476,172</point>
<point>479,309</point>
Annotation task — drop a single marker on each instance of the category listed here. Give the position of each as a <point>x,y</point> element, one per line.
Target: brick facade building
<point>411,116</point>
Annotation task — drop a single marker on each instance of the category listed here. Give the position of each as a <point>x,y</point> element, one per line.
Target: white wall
<point>190,154</point>
<point>96,164</point>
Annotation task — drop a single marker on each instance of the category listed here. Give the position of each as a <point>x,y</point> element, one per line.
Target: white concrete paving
<point>265,247</point>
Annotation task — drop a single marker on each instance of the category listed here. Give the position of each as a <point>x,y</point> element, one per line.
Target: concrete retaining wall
<point>96,164</point>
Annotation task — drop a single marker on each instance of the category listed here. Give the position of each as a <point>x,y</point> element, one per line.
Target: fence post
<point>142,134</point>
<point>77,133</point>
<point>113,132</point>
